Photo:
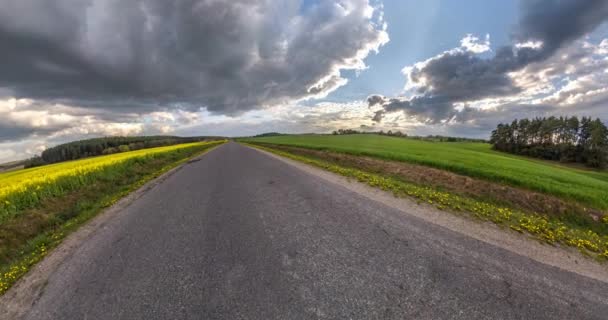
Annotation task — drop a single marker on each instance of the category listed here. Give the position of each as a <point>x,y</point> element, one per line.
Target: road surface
<point>242,235</point>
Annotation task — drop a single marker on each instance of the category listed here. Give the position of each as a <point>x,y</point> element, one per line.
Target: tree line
<point>565,139</point>
<point>102,146</point>
<point>391,133</point>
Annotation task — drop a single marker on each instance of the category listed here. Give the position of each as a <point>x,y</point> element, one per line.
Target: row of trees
<point>565,139</point>
<point>391,133</point>
<point>270,134</point>
<point>438,138</point>
<point>346,131</point>
<point>101,146</point>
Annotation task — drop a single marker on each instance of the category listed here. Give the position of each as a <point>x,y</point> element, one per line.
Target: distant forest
<point>107,145</point>
<point>565,139</point>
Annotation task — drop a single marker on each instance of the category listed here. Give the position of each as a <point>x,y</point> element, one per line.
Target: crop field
<point>26,188</point>
<point>472,159</point>
<point>41,205</point>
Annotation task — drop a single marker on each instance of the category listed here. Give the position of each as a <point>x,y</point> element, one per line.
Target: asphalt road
<point>241,235</point>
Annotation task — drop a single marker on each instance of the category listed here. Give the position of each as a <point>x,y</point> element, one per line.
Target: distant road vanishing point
<point>239,234</point>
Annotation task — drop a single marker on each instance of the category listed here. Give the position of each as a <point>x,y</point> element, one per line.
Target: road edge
<point>16,302</point>
<point>564,258</point>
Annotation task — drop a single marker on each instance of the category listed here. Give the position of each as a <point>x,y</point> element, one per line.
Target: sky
<point>76,69</point>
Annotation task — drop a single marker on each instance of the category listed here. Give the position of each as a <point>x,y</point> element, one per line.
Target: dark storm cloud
<point>558,22</point>
<point>460,76</point>
<point>375,99</point>
<point>429,109</point>
<point>9,131</point>
<point>463,76</point>
<point>228,56</point>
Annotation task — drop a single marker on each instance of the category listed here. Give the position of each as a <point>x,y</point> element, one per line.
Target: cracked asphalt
<point>241,235</point>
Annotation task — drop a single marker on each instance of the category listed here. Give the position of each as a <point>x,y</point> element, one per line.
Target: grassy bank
<point>40,206</point>
<point>549,229</point>
<point>471,159</point>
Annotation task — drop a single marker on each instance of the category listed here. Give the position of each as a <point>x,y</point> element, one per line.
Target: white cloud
<point>100,128</point>
<point>28,126</point>
<point>457,89</point>
<point>602,49</point>
<point>11,151</point>
<point>574,77</point>
<point>7,155</point>
<point>530,45</point>
<point>474,44</point>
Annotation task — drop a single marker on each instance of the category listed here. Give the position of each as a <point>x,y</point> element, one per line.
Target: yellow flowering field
<point>26,188</point>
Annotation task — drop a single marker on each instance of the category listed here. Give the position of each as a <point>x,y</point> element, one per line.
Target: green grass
<point>472,159</point>
<point>47,203</point>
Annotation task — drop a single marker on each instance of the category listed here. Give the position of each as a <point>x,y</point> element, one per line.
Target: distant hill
<point>13,165</point>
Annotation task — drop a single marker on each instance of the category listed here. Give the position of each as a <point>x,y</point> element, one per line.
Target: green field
<point>471,159</point>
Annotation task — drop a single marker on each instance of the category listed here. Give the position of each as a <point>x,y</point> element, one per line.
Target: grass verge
<point>550,230</point>
<point>27,235</point>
